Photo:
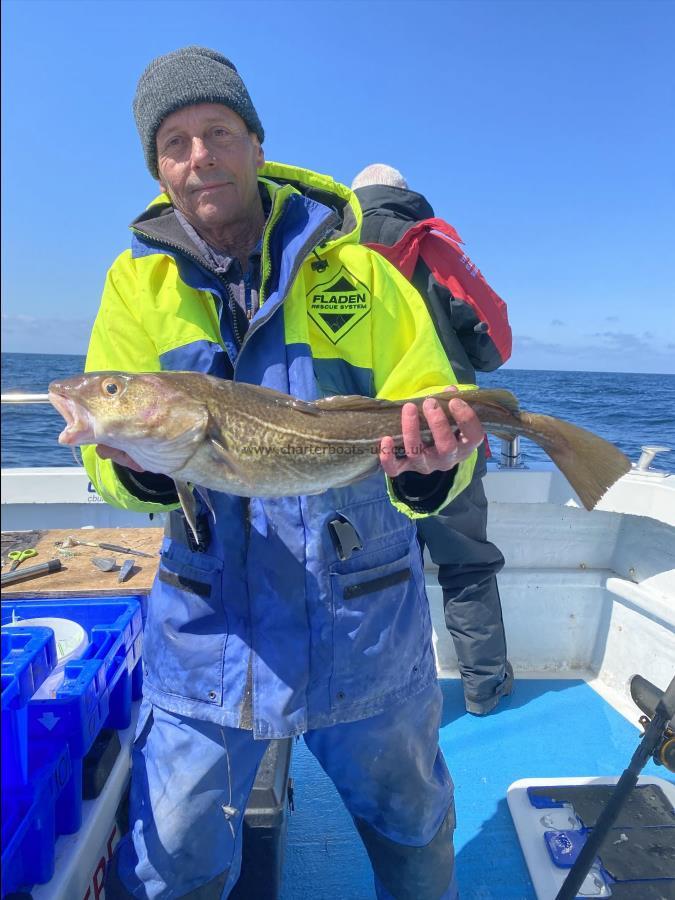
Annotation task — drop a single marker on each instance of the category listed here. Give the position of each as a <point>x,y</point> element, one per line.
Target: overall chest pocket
<point>381,624</point>
<point>187,627</point>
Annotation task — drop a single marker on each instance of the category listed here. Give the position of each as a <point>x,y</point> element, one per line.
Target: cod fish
<point>255,442</point>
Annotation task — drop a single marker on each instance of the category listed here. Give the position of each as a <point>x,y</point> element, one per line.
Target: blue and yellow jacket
<point>266,625</point>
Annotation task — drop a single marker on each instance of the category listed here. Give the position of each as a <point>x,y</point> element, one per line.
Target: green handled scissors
<point>18,557</point>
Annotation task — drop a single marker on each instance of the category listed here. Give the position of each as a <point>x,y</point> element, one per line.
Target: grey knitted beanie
<point>183,78</point>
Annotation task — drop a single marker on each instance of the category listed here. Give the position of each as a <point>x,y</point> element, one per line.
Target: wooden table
<point>79,576</point>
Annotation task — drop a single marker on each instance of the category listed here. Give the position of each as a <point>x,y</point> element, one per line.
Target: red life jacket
<point>439,246</point>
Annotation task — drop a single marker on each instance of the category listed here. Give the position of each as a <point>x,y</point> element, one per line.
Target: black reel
<point>647,696</point>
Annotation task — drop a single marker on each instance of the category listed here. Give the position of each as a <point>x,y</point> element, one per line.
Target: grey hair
<point>379,173</point>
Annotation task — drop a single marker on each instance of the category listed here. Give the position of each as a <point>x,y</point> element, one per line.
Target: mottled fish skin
<point>252,441</point>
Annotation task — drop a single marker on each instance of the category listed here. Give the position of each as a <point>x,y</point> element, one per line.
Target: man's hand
<point>118,456</point>
<point>453,441</point>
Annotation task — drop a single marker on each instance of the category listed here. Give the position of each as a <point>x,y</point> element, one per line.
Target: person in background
<point>288,616</point>
<point>472,324</point>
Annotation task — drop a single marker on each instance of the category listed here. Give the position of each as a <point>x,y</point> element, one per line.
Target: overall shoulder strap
<point>442,251</point>
<point>405,252</point>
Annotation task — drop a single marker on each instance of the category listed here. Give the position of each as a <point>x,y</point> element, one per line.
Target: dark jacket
<point>470,318</point>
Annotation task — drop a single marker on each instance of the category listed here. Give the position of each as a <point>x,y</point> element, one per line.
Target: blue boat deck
<point>546,729</point>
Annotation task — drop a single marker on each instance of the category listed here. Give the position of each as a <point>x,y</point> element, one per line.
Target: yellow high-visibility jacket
<point>334,318</point>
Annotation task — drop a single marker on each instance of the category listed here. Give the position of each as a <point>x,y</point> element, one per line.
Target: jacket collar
<point>158,222</point>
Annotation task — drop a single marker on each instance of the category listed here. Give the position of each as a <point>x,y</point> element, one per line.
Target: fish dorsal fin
<point>269,395</point>
<point>356,403</point>
<point>303,406</point>
<point>502,435</point>
<point>352,403</point>
<point>491,397</point>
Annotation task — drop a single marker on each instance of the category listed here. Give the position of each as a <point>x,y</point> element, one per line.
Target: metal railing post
<point>510,456</point>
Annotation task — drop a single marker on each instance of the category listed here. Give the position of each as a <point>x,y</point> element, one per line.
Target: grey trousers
<point>467,565</point>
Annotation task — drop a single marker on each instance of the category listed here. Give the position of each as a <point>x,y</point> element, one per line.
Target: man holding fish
<point>246,290</point>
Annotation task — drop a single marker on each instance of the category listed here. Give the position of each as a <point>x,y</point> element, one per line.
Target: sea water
<point>628,410</point>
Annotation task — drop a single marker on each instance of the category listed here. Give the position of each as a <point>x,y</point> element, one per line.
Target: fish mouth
<point>79,426</point>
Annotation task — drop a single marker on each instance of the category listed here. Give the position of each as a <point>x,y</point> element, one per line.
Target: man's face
<point>208,163</point>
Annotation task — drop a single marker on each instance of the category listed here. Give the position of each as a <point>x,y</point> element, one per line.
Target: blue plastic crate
<point>27,658</point>
<point>96,692</point>
<point>29,825</point>
<point>28,797</point>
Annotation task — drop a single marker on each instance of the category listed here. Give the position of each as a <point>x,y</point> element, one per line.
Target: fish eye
<point>111,387</point>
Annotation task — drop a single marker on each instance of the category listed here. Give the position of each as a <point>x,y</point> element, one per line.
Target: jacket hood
<point>388,212</point>
<point>323,189</point>
<point>399,203</point>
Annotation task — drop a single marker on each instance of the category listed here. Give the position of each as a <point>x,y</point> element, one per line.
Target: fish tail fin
<point>590,463</point>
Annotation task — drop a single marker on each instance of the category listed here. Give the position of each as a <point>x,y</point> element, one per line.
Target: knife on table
<point>119,549</point>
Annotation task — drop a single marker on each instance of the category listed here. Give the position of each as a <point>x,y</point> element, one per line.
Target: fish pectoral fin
<point>189,505</point>
<point>217,445</point>
<point>220,453</point>
<point>225,460</point>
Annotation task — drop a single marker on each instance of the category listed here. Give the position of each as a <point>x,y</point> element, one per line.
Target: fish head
<point>151,416</point>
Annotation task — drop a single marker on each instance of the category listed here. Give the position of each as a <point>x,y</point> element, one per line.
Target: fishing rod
<point>658,742</point>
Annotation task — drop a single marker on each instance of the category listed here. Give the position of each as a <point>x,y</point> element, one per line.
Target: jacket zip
<point>168,245</point>
<point>238,337</point>
<point>313,240</point>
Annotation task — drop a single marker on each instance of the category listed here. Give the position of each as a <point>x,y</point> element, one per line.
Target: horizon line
<point>506,367</point>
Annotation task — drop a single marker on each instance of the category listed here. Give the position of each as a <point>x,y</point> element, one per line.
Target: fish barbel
<point>255,442</point>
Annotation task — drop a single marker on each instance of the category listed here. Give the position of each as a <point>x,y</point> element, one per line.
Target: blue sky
<point>544,131</point>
